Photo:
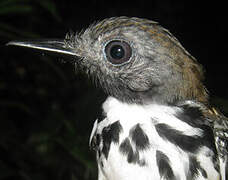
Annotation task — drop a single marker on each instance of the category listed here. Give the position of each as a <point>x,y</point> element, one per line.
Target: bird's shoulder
<point>220,129</point>
<point>219,124</point>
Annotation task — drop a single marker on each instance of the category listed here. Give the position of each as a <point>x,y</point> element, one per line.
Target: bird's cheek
<point>139,84</point>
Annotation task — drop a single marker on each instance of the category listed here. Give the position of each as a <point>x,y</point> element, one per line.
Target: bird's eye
<point>118,52</point>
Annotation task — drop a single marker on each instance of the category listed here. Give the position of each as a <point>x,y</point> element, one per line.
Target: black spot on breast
<point>110,134</point>
<point>126,148</point>
<point>132,157</point>
<point>203,172</point>
<point>189,113</point>
<point>164,167</point>
<point>187,143</point>
<point>195,169</point>
<point>139,138</point>
<point>193,116</point>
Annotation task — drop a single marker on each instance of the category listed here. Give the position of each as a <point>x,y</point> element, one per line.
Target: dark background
<point>47,110</point>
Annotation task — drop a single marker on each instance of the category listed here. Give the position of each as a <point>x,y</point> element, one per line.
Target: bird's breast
<point>151,142</point>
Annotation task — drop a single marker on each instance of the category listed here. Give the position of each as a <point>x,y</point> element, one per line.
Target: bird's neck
<point>115,107</point>
<point>123,110</point>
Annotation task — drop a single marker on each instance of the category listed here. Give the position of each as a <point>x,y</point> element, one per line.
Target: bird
<point>157,122</point>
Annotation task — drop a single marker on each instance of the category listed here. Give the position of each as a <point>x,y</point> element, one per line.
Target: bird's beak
<point>56,46</point>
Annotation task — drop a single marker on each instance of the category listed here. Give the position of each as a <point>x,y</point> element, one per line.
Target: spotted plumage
<point>178,149</point>
<point>157,122</point>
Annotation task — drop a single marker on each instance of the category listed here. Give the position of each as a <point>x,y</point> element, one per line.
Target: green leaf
<point>16,9</point>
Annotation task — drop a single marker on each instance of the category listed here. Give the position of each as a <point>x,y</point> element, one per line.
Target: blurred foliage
<point>44,118</point>
<point>46,112</point>
<point>10,10</point>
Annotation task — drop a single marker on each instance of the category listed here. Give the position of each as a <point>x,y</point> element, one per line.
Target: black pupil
<point>117,52</point>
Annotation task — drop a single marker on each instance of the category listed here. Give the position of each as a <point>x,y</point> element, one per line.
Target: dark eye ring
<point>118,52</point>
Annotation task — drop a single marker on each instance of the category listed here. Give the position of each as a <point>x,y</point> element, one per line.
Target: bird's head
<point>135,60</point>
